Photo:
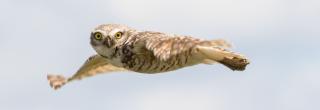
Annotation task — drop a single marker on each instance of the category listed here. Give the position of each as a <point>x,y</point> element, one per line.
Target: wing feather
<point>93,66</point>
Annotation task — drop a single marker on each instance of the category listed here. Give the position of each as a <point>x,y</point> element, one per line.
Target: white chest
<point>103,51</point>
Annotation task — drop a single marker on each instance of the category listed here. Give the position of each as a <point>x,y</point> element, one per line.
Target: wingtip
<point>56,81</point>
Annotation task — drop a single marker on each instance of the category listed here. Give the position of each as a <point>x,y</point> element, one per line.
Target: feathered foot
<point>231,60</point>
<point>235,63</point>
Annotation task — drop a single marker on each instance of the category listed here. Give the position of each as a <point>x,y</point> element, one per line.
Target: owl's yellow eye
<point>98,36</point>
<point>118,35</point>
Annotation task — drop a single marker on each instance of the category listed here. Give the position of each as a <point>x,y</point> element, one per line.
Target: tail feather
<point>220,43</point>
<point>230,59</point>
<point>56,81</point>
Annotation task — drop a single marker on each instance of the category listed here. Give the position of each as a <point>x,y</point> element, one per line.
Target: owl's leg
<point>231,60</point>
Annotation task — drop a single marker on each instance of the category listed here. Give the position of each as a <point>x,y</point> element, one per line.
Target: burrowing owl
<point>121,48</point>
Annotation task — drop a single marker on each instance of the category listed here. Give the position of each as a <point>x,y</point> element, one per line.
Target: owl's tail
<point>220,43</point>
<point>230,59</point>
<point>56,81</point>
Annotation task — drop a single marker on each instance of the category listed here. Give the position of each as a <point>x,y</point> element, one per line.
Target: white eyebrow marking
<point>101,31</point>
<point>114,31</point>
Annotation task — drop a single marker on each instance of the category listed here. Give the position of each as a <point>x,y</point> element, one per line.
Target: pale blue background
<point>281,38</point>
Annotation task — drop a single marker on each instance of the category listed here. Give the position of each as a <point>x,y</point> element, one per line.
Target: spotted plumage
<point>121,48</point>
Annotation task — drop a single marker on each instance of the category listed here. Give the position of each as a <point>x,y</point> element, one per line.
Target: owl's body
<point>121,48</point>
<point>134,56</point>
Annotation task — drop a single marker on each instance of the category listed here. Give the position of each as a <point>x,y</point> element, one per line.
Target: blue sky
<point>281,38</point>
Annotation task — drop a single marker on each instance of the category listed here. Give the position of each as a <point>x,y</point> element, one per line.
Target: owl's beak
<point>107,41</point>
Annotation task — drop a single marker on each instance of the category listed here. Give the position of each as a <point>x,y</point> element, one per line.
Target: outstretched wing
<point>93,66</point>
<point>165,46</point>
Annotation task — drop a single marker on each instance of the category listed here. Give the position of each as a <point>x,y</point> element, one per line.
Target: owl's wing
<point>93,66</point>
<point>165,46</point>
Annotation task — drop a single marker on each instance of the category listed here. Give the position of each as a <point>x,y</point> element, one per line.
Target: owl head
<point>105,38</point>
